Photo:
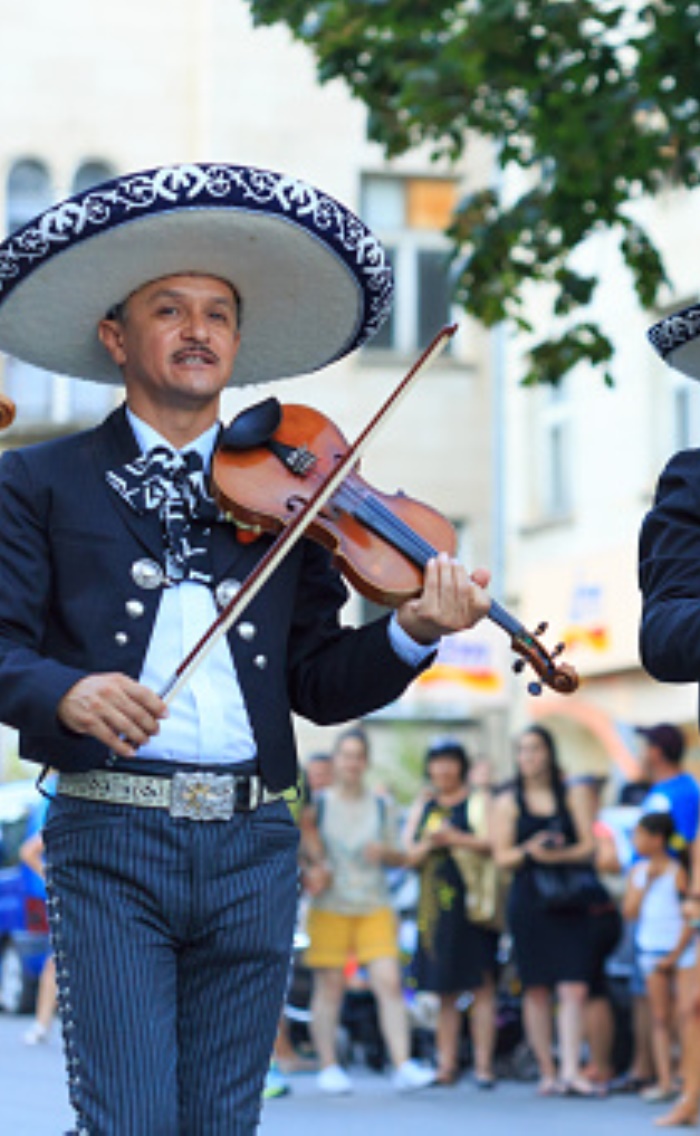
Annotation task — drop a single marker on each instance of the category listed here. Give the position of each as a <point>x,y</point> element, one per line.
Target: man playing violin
<point>171,854</point>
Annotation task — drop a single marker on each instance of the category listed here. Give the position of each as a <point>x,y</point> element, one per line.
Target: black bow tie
<point>174,486</point>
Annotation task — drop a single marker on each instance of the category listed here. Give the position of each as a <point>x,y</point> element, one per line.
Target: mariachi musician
<point>171,858</point>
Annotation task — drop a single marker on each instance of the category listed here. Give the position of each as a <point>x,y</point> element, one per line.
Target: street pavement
<point>33,1102</point>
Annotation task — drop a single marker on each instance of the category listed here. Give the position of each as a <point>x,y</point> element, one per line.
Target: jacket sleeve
<point>669,574</point>
<point>337,673</point>
<point>31,685</point>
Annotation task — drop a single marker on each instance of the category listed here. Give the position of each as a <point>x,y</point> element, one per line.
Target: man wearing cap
<point>673,791</point>
<point>171,857</point>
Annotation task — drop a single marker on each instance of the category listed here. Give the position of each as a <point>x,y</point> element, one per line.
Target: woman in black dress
<point>540,822</point>
<point>454,954</point>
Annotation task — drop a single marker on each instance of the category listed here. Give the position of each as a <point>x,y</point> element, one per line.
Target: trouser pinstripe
<point>172,940</point>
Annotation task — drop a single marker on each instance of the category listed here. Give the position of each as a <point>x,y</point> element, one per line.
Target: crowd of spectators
<point>529,872</point>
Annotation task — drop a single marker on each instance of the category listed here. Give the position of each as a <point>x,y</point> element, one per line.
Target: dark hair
<point>447,747</point>
<point>556,776</point>
<point>667,738</point>
<point>658,824</point>
<point>318,758</point>
<point>355,733</point>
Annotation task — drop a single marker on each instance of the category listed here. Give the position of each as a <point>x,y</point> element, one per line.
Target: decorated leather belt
<point>194,796</point>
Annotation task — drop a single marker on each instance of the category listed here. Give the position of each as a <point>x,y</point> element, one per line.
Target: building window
<point>45,399</point>
<point>555,465</point>
<point>28,192</point>
<point>90,401</point>
<point>91,173</point>
<point>685,412</point>
<point>410,215</point>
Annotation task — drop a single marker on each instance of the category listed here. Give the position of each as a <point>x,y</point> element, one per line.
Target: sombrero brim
<point>676,338</point>
<point>314,282</point>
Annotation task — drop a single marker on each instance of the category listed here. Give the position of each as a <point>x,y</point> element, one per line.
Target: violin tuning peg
<point>518,666</point>
<point>534,689</point>
<point>558,650</point>
<point>541,628</point>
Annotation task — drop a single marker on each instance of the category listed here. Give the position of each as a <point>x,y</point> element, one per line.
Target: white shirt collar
<point>147,438</point>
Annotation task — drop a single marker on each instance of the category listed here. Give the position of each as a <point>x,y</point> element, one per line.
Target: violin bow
<point>296,528</point>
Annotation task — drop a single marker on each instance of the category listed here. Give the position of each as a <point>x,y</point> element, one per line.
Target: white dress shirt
<point>207,720</point>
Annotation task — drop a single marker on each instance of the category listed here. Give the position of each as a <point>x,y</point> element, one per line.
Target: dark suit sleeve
<point>31,685</point>
<point>669,574</point>
<point>337,673</point>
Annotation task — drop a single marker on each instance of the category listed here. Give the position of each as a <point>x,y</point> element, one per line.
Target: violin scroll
<point>562,677</point>
<point>7,411</point>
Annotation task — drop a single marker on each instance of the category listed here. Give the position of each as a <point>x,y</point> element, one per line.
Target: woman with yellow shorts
<point>351,918</point>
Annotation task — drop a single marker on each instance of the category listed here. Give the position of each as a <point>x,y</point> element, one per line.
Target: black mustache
<point>197,349</point>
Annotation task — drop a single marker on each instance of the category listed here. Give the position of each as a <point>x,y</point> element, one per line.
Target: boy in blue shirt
<point>672,791</point>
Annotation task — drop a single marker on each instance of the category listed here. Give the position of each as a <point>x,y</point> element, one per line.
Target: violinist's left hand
<point>451,600</point>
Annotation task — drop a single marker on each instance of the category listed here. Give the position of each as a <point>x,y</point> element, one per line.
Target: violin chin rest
<point>253,426</point>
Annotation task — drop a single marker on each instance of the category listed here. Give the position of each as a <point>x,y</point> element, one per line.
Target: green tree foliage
<point>596,101</point>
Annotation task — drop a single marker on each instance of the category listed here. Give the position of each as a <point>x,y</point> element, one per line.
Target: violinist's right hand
<point>119,712</point>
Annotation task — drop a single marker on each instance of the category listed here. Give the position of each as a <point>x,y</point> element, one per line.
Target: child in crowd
<point>655,888</point>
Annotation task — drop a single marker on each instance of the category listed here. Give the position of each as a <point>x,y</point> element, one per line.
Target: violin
<point>271,461</point>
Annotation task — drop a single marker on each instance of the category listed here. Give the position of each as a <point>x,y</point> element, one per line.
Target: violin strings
<point>366,507</point>
<point>372,512</point>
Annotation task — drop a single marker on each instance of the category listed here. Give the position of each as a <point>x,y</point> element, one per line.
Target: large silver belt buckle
<point>202,796</point>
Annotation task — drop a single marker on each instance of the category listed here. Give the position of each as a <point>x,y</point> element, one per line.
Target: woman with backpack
<point>448,837</point>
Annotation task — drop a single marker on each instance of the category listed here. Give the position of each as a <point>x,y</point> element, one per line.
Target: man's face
<point>176,341</point>
<point>319,775</point>
<point>650,758</point>
<point>350,762</point>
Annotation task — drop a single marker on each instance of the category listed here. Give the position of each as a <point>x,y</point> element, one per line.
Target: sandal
<point>446,1077</point>
<point>629,1083</point>
<point>484,1080</point>
<point>685,1114</point>
<point>548,1087</point>
<point>580,1087</point>
<point>658,1094</point>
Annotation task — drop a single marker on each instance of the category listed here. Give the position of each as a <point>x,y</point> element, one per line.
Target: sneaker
<point>656,1094</point>
<point>411,1076</point>
<point>36,1034</point>
<point>334,1081</point>
<point>276,1084</point>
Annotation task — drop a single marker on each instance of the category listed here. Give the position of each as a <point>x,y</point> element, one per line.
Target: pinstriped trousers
<point>172,940</point>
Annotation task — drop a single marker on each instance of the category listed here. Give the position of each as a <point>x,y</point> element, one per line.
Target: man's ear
<point>111,336</point>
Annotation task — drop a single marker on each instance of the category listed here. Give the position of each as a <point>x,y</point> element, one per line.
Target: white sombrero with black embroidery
<point>677,340</point>
<point>314,282</point>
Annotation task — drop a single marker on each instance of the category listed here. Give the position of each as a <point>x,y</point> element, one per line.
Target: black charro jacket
<point>669,571</point>
<point>68,545</point>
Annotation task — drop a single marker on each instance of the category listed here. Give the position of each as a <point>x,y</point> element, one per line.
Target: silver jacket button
<point>260,661</point>
<point>134,609</point>
<point>247,631</point>
<point>121,638</point>
<point>147,574</point>
<point>225,591</point>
